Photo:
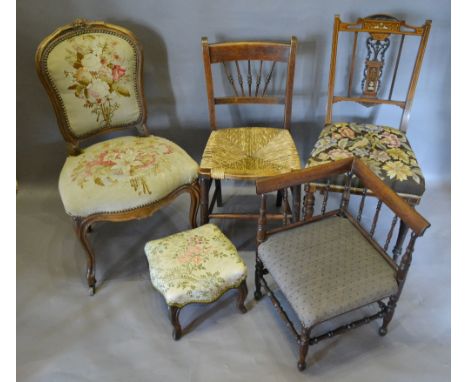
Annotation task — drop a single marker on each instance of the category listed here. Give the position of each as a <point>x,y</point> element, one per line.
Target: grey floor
<point>123,334</point>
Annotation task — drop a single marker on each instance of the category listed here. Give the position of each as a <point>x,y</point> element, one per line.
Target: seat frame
<point>246,51</point>
<point>83,224</point>
<point>401,209</point>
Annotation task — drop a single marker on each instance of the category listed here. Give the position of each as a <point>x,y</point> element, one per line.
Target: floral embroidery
<point>194,266</point>
<point>385,150</point>
<point>99,75</point>
<point>397,170</point>
<point>121,160</point>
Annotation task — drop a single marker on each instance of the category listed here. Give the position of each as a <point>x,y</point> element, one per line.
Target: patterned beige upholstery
<point>326,268</point>
<point>123,173</point>
<point>250,152</point>
<point>95,76</point>
<point>385,150</point>
<point>195,266</point>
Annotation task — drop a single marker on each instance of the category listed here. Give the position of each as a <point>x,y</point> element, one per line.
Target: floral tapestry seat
<point>384,149</point>
<point>195,266</point>
<point>123,173</point>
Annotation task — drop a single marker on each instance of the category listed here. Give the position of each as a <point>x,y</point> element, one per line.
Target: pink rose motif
<point>117,72</point>
<point>391,140</point>
<point>347,132</point>
<point>191,255</point>
<point>337,154</point>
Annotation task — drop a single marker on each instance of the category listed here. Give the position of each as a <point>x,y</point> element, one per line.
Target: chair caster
<point>258,295</point>
<point>301,366</point>
<point>176,335</point>
<point>382,331</point>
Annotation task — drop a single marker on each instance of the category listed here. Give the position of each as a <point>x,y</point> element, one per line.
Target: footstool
<point>195,266</point>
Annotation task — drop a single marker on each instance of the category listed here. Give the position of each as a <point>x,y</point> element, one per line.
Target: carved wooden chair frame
<point>379,28</point>
<point>251,92</point>
<point>83,224</point>
<point>375,187</point>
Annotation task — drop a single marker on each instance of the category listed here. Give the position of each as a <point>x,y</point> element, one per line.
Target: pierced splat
<point>374,65</point>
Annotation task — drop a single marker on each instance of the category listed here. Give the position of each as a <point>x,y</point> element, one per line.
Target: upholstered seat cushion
<point>384,149</point>
<point>249,152</point>
<point>123,173</point>
<point>327,268</point>
<point>195,266</point>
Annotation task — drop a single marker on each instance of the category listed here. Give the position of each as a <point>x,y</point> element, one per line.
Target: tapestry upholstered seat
<point>330,269</point>
<point>250,152</point>
<point>195,266</point>
<point>123,173</point>
<point>385,150</point>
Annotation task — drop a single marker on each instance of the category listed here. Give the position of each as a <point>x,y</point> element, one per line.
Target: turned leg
<point>309,201</point>
<point>402,232</point>
<point>258,275</point>
<point>303,348</point>
<point>388,315</point>
<point>82,229</point>
<point>242,296</point>
<point>194,192</point>
<point>174,312</point>
<point>219,194</point>
<point>204,196</point>
<point>296,193</point>
<point>279,198</point>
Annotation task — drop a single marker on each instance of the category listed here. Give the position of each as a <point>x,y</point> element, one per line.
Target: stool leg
<point>174,317</point>
<point>241,297</point>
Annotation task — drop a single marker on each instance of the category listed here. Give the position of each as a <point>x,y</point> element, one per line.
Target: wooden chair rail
<point>249,50</point>
<point>357,167</point>
<point>249,100</point>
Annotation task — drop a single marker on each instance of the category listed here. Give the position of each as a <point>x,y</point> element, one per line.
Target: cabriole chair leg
<point>174,312</point>
<point>82,229</point>
<point>243,291</point>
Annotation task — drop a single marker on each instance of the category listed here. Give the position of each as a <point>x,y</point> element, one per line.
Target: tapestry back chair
<point>334,262</point>
<point>386,150</point>
<point>247,153</point>
<point>93,73</point>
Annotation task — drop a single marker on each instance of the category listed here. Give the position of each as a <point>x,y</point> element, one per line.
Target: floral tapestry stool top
<point>195,266</point>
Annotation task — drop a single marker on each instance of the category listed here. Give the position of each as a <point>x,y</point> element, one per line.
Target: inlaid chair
<point>93,74</point>
<point>248,153</point>
<point>388,42</point>
<point>335,262</point>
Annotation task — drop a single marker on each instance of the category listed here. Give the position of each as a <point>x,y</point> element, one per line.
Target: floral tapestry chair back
<point>93,74</point>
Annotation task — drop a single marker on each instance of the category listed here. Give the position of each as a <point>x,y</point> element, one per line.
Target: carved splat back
<point>249,68</point>
<point>383,36</point>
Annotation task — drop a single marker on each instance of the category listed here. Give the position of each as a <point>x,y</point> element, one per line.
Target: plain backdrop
<point>170,32</point>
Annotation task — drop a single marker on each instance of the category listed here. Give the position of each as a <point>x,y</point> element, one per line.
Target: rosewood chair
<point>384,149</point>
<point>333,262</point>
<point>93,74</point>
<point>248,153</point>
